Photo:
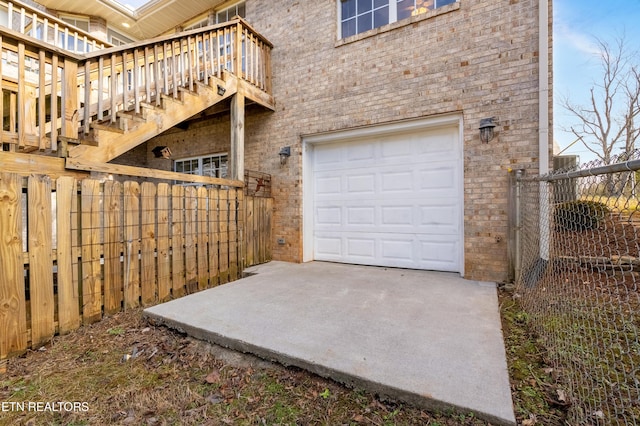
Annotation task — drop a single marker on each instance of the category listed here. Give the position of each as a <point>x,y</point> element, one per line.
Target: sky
<point>576,25</point>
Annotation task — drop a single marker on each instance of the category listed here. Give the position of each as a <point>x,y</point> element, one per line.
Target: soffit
<point>154,18</point>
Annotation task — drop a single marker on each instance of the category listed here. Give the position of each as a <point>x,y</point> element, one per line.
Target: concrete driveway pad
<point>432,339</point>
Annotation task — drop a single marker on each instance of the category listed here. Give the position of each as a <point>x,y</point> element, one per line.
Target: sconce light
<point>486,129</point>
<point>221,90</point>
<point>285,152</point>
<point>161,152</point>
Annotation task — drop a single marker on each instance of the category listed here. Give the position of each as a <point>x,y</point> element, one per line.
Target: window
<point>228,13</point>
<point>199,24</point>
<point>215,165</point>
<point>116,38</point>
<point>78,22</point>
<point>357,16</point>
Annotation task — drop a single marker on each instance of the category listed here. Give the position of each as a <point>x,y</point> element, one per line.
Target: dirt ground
<point>124,370</point>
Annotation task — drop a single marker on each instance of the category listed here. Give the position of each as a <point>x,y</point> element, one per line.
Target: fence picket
<point>40,259</point>
<point>13,320</point>
<point>249,230</point>
<point>233,235</point>
<point>147,257</point>
<point>164,260</point>
<point>223,226</point>
<point>91,270</point>
<point>68,295</point>
<point>214,235</point>
<point>177,240</point>
<point>190,207</point>
<point>113,248</point>
<point>202,238</point>
<point>132,244</point>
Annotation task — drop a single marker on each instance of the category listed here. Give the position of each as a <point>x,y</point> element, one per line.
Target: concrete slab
<point>428,338</point>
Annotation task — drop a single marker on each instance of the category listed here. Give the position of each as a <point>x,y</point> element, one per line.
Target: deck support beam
<point>236,158</point>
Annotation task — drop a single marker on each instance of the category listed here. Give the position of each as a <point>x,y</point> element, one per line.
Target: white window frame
<point>393,13</point>
<point>219,158</point>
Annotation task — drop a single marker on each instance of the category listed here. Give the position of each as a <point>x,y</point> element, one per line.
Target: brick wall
<point>478,58</point>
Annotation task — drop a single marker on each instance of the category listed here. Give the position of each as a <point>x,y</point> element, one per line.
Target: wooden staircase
<point>96,106</point>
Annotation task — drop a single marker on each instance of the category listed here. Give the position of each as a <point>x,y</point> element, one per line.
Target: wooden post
<point>236,160</point>
<point>214,237</point>
<point>70,101</point>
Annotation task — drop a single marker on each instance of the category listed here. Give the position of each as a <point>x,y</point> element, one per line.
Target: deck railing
<point>42,26</point>
<point>53,93</point>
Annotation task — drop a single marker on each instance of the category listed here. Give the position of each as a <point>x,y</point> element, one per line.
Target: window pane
<point>364,6</point>
<point>348,9</point>
<point>405,8</point>
<point>365,22</point>
<point>349,27</point>
<point>380,3</point>
<point>440,3</point>
<point>381,17</point>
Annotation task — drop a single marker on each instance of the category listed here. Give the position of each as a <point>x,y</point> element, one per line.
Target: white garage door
<point>393,200</point>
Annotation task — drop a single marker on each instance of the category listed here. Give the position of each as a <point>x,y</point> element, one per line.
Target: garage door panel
<point>328,247</point>
<point>361,216</point>
<point>389,201</point>
<point>361,183</point>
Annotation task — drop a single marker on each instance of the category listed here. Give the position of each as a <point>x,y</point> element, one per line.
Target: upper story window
<point>231,11</point>
<point>357,16</point>
<point>116,38</point>
<point>77,21</point>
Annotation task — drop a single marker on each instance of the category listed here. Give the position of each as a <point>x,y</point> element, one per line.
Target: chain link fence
<point>577,268</point>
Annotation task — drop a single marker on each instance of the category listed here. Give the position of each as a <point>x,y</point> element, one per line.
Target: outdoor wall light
<point>486,129</point>
<point>161,152</point>
<point>221,90</point>
<point>285,152</point>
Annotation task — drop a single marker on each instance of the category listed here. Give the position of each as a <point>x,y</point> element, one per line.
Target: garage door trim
<point>309,141</point>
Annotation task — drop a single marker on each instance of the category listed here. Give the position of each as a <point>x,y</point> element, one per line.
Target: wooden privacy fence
<point>72,251</point>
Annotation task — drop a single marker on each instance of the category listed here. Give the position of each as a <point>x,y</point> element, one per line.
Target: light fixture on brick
<point>285,152</point>
<point>486,129</point>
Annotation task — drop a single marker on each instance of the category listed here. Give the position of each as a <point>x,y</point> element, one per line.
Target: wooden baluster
<point>100,88</point>
<point>21,96</point>
<point>114,87</point>
<point>136,78</point>
<point>165,68</point>
<point>42,95</point>
<point>174,69</point>
<point>87,96</point>
<point>2,96</point>
<point>147,74</point>
<point>125,81</point>
<point>191,51</point>
<point>218,65</point>
<point>156,74</point>
<point>54,103</point>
